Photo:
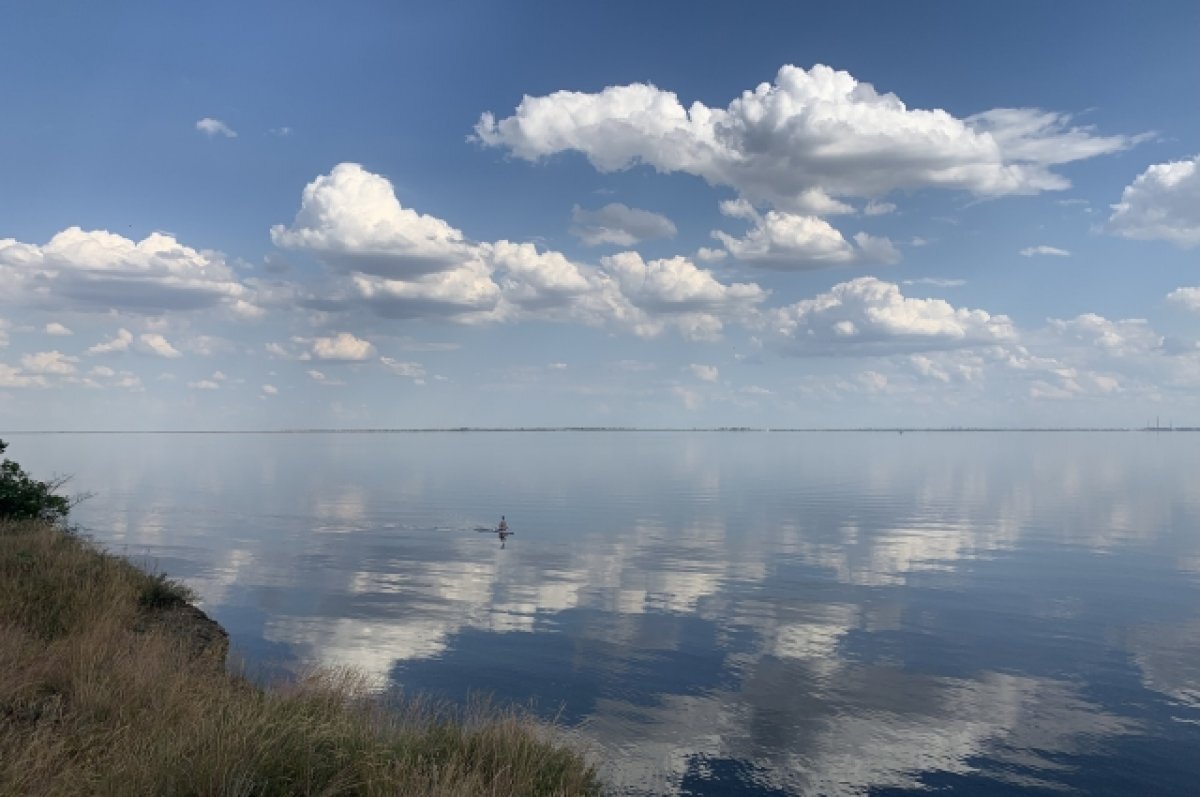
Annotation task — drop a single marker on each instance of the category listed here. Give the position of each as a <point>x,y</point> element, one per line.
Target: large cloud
<point>677,285</point>
<point>351,220</point>
<point>49,362</point>
<point>792,242</point>
<point>458,293</point>
<point>344,347</point>
<point>1124,337</point>
<point>402,264</point>
<point>1187,297</point>
<point>800,142</point>
<point>870,316</point>
<point>98,270</point>
<point>619,224</point>
<point>1163,203</point>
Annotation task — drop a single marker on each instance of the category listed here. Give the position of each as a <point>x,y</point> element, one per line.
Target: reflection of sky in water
<point>768,613</point>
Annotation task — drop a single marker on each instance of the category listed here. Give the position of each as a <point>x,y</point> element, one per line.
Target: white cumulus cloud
<point>532,278</point>
<point>676,284</point>
<point>154,343</point>
<point>55,328</point>
<point>1163,203</point>
<point>15,377</point>
<point>870,316</point>
<point>98,271</point>
<point>619,224</point>
<point>353,222</point>
<point>792,242</point>
<point>49,362</point>
<point>344,347</point>
<point>705,373</point>
<point>120,342</point>
<point>803,140</point>
<point>1187,297</point>
<point>215,127</point>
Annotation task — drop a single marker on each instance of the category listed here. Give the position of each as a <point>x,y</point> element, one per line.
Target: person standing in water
<point>503,527</point>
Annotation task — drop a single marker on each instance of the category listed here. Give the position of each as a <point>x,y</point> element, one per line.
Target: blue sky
<point>263,216</point>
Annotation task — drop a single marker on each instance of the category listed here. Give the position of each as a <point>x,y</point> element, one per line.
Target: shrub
<point>25,498</point>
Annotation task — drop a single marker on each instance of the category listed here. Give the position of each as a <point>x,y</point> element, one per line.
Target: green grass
<point>98,698</point>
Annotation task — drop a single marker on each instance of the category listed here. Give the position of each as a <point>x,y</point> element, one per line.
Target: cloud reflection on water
<point>854,594</point>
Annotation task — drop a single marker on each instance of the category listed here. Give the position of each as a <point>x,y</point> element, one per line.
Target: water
<point>754,613</point>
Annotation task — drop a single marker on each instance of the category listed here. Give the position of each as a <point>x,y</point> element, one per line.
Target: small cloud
<point>619,224</point>
<point>215,127</point>
<point>706,373</point>
<point>1053,251</point>
<point>918,241</point>
<point>401,368</point>
<point>155,343</point>
<point>277,351</point>
<point>344,347</point>
<point>936,282</point>
<point>281,132</point>
<point>1187,297</point>
<point>13,377</point>
<point>49,362</point>
<point>204,384</point>
<point>247,310</point>
<point>102,371</point>
<point>55,328</point>
<point>321,378</point>
<point>557,366</point>
<point>874,208</point>
<point>1162,203</point>
<point>219,376</point>
<point>709,255</point>
<point>119,343</point>
<point>270,390</point>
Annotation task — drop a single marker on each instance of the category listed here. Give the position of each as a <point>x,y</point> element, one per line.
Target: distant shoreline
<point>634,429</point>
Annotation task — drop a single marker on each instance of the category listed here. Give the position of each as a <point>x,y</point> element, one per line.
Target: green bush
<point>25,498</point>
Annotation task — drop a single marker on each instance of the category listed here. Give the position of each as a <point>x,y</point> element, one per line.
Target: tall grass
<point>99,698</point>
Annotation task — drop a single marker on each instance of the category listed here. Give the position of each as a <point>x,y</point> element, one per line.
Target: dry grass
<point>90,704</point>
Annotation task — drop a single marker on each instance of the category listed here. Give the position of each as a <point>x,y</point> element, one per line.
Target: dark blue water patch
<point>565,674</point>
<point>709,776</point>
<point>250,652</point>
<point>1049,616</point>
<point>1134,765</point>
<point>975,785</point>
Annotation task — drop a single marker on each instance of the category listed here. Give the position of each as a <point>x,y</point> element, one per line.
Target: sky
<point>374,215</point>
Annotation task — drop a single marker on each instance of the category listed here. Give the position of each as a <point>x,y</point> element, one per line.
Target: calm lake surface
<point>733,613</point>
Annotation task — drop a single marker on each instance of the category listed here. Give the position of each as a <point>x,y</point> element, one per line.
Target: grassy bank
<point>111,684</point>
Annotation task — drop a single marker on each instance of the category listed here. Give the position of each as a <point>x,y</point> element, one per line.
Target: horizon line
<point>546,429</point>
